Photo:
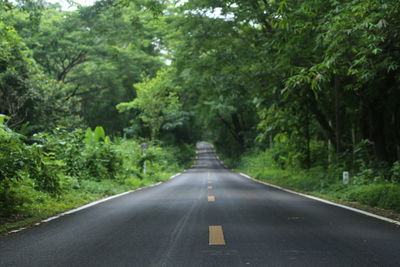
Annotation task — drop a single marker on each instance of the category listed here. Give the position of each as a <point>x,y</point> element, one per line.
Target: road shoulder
<point>378,213</point>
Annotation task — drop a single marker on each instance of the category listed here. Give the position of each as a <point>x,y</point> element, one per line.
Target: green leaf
<point>4,118</point>
<point>99,134</point>
<point>89,137</point>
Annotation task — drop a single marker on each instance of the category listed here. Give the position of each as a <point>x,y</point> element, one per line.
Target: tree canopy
<point>318,79</point>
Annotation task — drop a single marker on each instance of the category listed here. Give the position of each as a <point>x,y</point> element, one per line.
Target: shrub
<point>54,171</point>
<point>382,195</point>
<point>67,147</point>
<point>395,172</point>
<point>391,198</point>
<point>19,162</point>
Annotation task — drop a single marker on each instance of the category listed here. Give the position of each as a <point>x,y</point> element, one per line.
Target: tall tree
<point>158,103</point>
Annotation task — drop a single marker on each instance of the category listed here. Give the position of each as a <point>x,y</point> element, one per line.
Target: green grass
<point>38,207</point>
<point>320,182</point>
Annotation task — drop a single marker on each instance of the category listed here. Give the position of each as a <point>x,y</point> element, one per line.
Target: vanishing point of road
<point>207,216</point>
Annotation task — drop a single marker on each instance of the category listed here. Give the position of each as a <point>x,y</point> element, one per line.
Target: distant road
<point>207,216</point>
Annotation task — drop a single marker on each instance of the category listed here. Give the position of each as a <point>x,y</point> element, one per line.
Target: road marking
<point>211,198</point>
<point>16,231</point>
<point>210,182</point>
<point>324,201</point>
<point>216,235</point>
<point>209,187</point>
<point>174,176</point>
<point>155,184</point>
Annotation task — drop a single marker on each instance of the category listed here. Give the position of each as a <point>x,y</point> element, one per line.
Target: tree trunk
<point>321,119</point>
<point>338,122</point>
<point>308,141</point>
<point>377,130</point>
<point>239,130</point>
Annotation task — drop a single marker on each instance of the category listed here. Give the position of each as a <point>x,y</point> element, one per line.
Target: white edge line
<point>175,175</point>
<point>324,201</point>
<point>91,204</point>
<point>15,231</point>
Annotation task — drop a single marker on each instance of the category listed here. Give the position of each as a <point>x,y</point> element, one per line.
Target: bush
<point>89,156</point>
<point>382,195</point>
<point>391,199</point>
<point>20,162</point>
<point>67,147</point>
<point>395,172</point>
<point>58,167</point>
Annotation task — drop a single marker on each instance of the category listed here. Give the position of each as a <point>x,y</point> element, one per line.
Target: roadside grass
<point>36,207</point>
<point>381,197</point>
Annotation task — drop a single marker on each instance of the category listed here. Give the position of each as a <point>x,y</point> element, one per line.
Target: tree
<point>320,72</point>
<point>214,58</point>
<point>95,54</point>
<point>157,102</point>
<point>26,95</point>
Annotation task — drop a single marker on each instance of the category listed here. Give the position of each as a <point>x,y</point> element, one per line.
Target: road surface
<point>207,216</point>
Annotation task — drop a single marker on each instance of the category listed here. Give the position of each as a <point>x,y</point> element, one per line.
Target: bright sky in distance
<point>65,6</point>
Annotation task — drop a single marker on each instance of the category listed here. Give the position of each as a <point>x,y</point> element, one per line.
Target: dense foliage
<point>321,75</point>
<point>313,83</point>
<point>61,71</point>
<point>61,163</point>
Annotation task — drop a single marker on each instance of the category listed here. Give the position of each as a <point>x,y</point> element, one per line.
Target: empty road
<point>207,216</point>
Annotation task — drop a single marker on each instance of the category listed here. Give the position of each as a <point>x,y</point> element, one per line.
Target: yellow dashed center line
<point>216,235</point>
<point>211,198</point>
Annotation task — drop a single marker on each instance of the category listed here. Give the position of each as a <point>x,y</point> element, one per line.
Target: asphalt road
<point>207,216</point>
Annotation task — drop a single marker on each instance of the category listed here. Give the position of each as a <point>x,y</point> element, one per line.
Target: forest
<point>290,92</point>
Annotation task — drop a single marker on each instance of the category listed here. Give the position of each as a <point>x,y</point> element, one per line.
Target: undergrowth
<point>51,172</point>
<point>363,188</point>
